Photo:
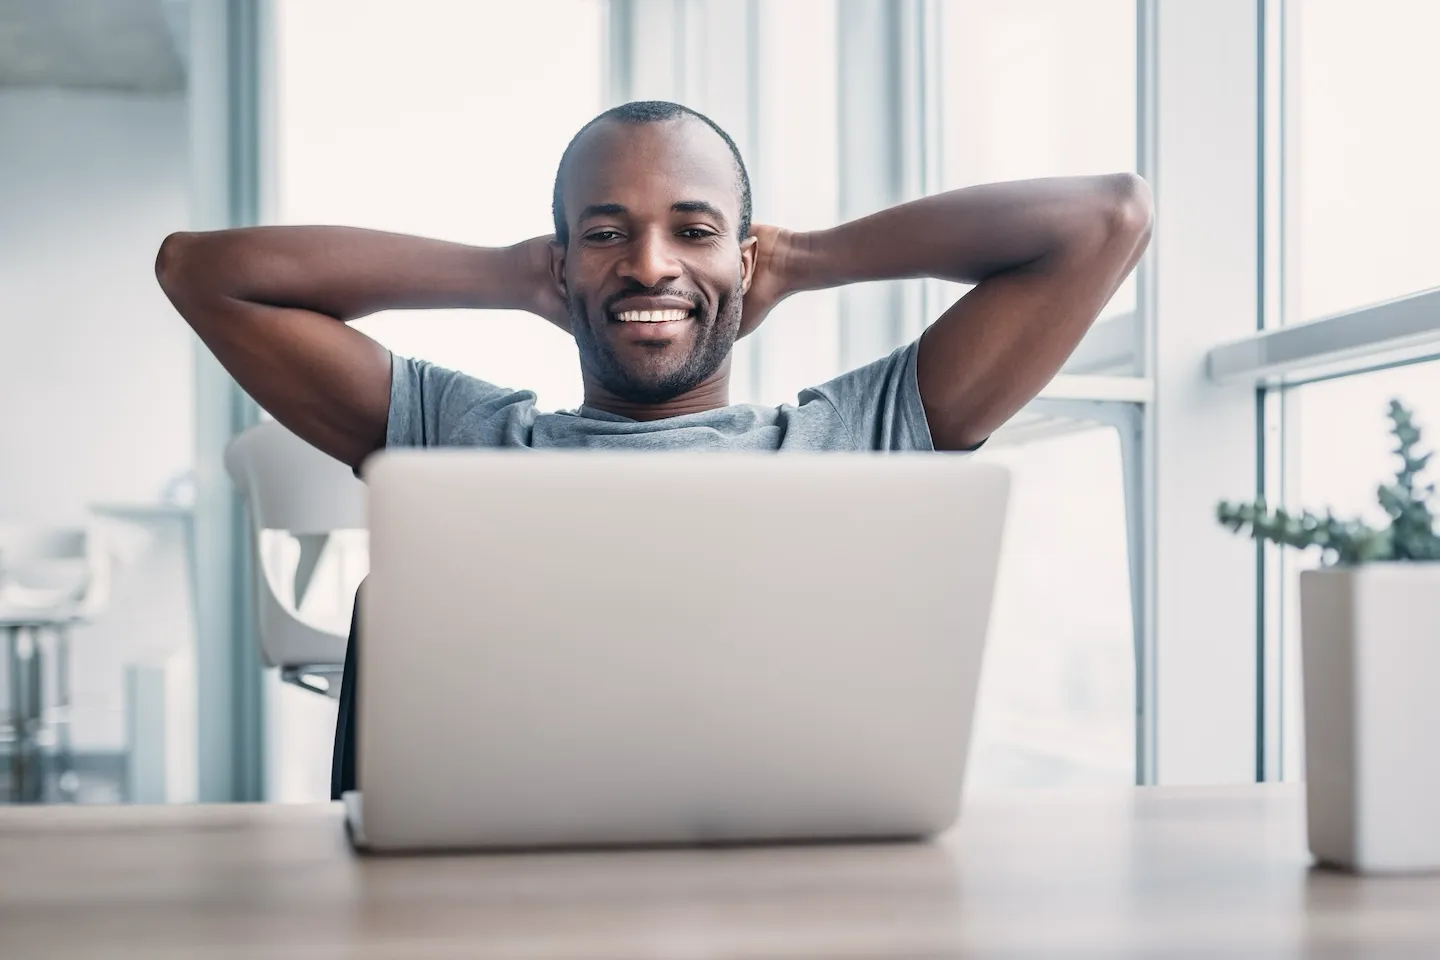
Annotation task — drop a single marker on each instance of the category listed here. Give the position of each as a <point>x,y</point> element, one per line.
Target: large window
<point>1290,150</point>
<point>1338,451</point>
<point>439,118</point>
<point>1043,88</point>
<point>1057,694</point>
<point>1038,88</point>
<point>1362,153</point>
<point>1361,198</point>
<point>796,179</point>
<point>444,119</point>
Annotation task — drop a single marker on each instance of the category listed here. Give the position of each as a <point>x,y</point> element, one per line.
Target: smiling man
<point>655,268</point>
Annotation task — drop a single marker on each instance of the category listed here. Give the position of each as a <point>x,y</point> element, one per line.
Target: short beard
<point>713,344</point>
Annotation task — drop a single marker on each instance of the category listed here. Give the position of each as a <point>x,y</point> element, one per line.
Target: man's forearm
<point>963,235</point>
<point>345,272</point>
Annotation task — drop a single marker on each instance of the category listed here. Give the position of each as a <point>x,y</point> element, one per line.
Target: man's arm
<point>1045,256</point>
<point>272,304</point>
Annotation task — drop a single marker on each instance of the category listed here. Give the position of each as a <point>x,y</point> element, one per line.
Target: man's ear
<point>749,249</point>
<point>557,269</point>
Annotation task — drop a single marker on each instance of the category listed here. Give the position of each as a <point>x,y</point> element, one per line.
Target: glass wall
<point>406,119</point>
<point>437,118</point>
<point>1362,197</point>
<point>447,120</point>
<point>1043,88</point>
<point>1057,694</point>
<point>1038,88</point>
<point>795,172</point>
<point>97,407</point>
<point>1361,152</point>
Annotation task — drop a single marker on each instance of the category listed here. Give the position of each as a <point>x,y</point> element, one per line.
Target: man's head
<point>652,254</point>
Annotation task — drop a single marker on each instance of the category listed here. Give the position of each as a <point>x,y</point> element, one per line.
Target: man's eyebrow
<point>699,206</point>
<point>604,210</point>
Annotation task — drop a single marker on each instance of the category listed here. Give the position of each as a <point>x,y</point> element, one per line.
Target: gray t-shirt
<point>876,407</point>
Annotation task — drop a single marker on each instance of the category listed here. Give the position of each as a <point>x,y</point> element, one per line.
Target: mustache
<point>638,291</point>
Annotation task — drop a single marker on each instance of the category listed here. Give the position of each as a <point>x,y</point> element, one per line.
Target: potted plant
<point>1370,659</point>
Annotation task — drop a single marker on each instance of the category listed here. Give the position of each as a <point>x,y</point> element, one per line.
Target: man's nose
<point>651,260</point>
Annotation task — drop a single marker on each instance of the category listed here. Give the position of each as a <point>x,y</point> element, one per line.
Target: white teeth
<point>651,316</point>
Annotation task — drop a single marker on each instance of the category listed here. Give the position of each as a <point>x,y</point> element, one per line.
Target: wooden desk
<point>1146,873</point>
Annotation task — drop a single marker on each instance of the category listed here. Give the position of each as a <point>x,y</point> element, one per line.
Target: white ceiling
<point>117,45</point>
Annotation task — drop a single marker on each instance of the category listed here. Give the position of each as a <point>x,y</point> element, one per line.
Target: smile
<point>651,316</point>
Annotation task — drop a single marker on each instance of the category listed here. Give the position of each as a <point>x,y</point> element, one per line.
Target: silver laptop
<point>583,648</point>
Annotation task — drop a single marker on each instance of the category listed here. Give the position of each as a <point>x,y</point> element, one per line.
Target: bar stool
<point>50,580</point>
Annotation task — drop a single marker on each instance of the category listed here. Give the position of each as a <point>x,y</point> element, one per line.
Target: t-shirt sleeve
<point>431,406</point>
<point>879,403</point>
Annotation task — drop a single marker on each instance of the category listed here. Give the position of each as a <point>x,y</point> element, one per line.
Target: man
<point>655,269</point>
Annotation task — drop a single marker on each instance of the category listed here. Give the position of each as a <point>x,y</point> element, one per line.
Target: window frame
<point>1286,353</point>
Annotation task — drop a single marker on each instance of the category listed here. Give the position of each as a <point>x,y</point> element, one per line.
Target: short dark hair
<point>649,111</point>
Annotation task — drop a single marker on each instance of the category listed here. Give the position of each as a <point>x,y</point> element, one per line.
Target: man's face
<point>655,271</point>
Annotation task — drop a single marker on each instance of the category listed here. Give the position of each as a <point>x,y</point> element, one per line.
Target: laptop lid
<point>582,648</point>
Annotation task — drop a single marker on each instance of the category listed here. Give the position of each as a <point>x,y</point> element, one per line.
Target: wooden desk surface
<point>1218,872</point>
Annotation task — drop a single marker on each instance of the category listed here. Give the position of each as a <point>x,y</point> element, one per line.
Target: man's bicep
<point>1003,341</point>
<point>325,381</point>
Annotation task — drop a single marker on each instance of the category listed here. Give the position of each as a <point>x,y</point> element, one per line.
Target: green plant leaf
<point>1410,535</point>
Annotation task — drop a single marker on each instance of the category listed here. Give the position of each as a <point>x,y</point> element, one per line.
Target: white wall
<point>95,367</point>
<point>96,394</point>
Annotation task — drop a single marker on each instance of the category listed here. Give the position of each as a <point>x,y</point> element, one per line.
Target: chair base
<point>32,761</point>
<point>321,678</point>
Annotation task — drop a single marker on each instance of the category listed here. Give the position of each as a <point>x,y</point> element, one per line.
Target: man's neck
<point>712,394</point>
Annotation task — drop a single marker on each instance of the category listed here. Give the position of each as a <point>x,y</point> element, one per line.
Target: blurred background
<point>1288,294</point>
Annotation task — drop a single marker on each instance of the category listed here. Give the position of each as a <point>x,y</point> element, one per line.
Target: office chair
<point>292,487</point>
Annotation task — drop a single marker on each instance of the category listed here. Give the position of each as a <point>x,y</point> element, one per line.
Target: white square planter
<point>1370,646</point>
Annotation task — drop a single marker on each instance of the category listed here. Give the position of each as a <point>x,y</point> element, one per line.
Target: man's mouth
<point>651,316</point>
<point>655,314</point>
<point>651,328</point>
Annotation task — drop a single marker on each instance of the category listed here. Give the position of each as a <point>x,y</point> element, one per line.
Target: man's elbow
<point>1130,207</point>
<point>169,261</point>
<point>1113,221</point>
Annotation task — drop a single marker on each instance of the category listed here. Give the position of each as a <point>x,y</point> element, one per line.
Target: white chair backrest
<point>292,486</point>
<point>67,568</point>
<point>21,545</point>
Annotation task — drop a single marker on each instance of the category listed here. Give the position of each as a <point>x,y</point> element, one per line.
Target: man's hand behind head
<point>774,279</point>
<point>534,258</point>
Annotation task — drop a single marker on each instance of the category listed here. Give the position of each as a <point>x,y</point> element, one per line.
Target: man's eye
<point>602,236</point>
<point>696,233</point>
